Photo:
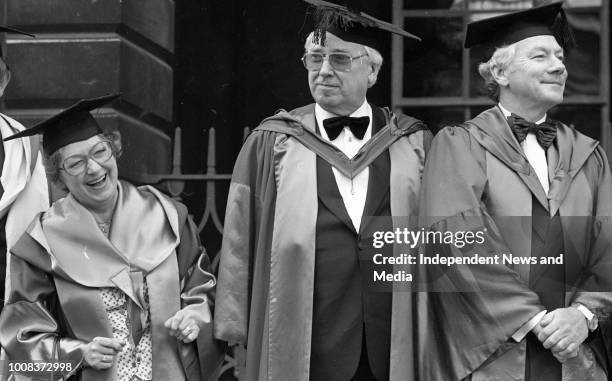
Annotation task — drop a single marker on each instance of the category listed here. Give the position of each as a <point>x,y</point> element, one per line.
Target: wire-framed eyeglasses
<point>338,61</point>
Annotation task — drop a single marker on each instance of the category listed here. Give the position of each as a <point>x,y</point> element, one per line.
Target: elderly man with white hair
<point>540,190</point>
<point>294,269</point>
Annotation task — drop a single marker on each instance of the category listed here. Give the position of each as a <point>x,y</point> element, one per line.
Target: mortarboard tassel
<point>328,17</point>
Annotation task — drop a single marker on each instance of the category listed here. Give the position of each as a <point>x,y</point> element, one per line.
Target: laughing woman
<point>110,282</point>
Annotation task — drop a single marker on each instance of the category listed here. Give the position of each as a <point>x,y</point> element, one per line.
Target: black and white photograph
<point>305,190</point>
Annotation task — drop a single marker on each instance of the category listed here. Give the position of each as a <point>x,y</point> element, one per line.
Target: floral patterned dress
<point>134,362</point>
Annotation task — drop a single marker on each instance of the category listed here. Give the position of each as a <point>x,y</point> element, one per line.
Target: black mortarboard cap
<point>69,126</point>
<point>8,29</point>
<point>513,27</point>
<point>348,22</point>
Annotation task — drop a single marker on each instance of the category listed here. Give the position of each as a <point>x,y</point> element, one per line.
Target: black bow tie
<point>358,126</point>
<point>545,132</point>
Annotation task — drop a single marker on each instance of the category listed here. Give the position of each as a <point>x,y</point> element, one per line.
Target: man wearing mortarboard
<point>291,284</point>
<point>24,191</point>
<point>539,189</point>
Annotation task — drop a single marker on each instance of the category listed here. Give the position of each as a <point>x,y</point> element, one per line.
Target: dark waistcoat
<point>548,281</point>
<point>344,307</point>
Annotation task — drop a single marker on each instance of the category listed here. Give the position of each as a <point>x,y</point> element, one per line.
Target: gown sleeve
<point>198,295</point>
<point>29,328</point>
<point>475,309</point>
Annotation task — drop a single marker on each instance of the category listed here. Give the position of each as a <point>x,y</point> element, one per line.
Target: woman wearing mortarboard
<point>112,278</point>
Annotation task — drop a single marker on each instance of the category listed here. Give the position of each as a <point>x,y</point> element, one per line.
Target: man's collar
<point>321,114</point>
<point>508,113</point>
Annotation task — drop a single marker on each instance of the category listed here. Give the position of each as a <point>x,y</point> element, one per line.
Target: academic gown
<point>266,273</point>
<point>23,188</point>
<point>475,177</point>
<point>59,265</point>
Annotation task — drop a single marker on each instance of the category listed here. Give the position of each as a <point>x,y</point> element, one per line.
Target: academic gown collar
<point>301,124</point>
<point>492,131</point>
<point>144,233</point>
<point>573,151</point>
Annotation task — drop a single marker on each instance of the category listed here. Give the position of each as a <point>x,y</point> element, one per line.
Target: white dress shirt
<point>536,155</point>
<point>353,192</point>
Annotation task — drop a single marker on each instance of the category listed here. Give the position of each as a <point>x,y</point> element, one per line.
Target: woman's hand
<point>183,326</point>
<point>100,352</point>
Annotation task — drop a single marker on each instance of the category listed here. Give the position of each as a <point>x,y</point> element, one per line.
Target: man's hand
<point>571,352</point>
<point>100,352</point>
<point>563,356</point>
<point>562,331</point>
